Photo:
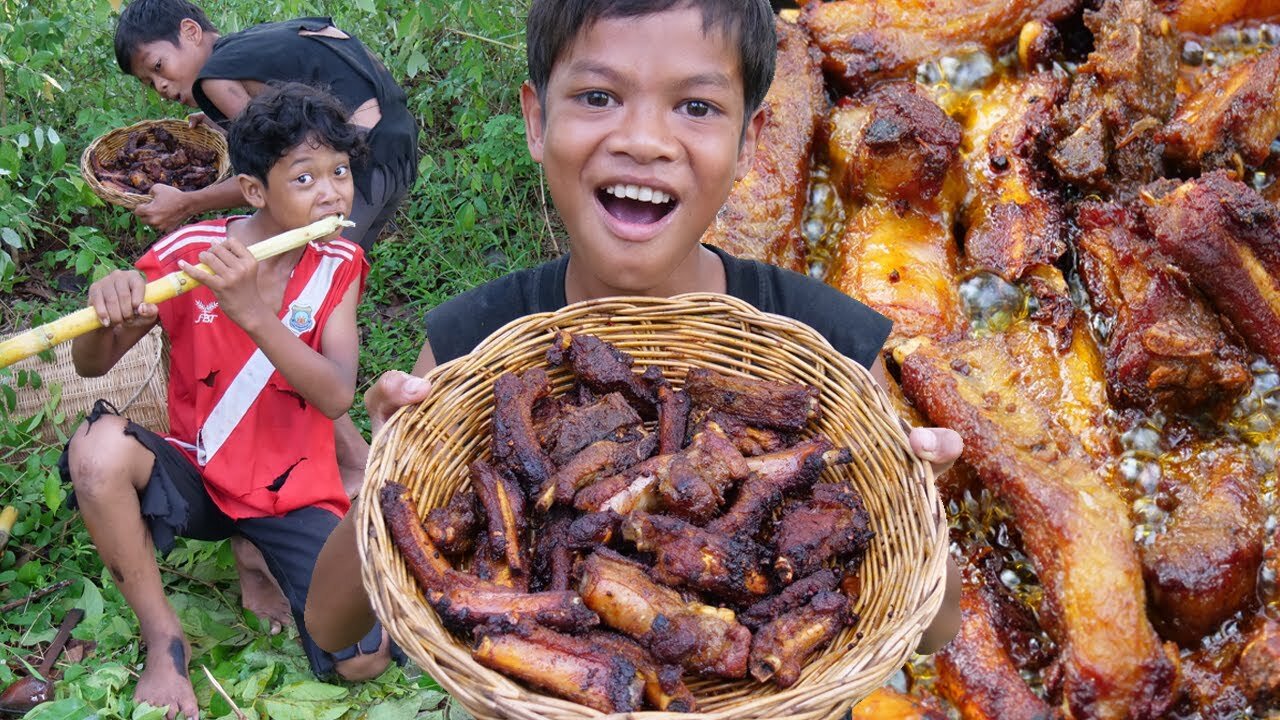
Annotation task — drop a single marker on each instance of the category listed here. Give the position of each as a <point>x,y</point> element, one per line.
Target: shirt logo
<point>300,319</point>
<point>207,313</point>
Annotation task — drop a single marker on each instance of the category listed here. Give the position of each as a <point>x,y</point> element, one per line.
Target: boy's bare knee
<point>366,667</point>
<point>102,459</point>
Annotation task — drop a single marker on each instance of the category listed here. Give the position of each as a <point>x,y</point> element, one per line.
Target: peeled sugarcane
<point>157,291</point>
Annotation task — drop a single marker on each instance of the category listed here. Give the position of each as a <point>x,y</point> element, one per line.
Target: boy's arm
<point>326,380</point>
<point>117,298</point>
<point>340,614</point>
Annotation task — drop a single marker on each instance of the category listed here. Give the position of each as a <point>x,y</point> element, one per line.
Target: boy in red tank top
<point>263,358</point>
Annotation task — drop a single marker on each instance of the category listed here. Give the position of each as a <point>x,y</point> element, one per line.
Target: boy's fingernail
<point>104,320</point>
<point>414,384</point>
<point>928,442</point>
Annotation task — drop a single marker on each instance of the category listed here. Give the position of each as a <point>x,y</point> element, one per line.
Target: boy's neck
<point>702,271</point>
<point>256,228</point>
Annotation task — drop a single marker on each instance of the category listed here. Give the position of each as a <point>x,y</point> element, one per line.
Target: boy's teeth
<point>639,192</point>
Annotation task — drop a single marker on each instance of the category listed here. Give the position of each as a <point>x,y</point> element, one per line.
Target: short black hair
<point>281,118</point>
<point>553,25</point>
<point>144,21</point>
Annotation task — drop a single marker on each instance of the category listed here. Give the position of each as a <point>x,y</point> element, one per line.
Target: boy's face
<point>169,69</point>
<point>309,183</point>
<point>641,137</point>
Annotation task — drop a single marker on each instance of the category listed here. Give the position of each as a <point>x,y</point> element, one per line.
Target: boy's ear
<point>534,122</point>
<point>253,189</point>
<point>190,31</point>
<point>750,135</point>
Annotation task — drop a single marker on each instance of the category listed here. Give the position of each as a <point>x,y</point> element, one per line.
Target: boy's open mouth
<point>636,204</point>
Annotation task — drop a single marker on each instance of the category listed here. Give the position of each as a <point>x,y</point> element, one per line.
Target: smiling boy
<point>263,357</point>
<point>642,113</point>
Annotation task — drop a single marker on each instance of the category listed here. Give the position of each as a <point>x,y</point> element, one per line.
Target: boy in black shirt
<point>172,48</point>
<point>643,113</point>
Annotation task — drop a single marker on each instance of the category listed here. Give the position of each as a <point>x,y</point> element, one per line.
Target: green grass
<point>475,213</point>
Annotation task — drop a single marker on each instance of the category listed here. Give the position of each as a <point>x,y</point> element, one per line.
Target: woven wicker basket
<point>427,448</point>
<point>137,386</point>
<point>111,142</point>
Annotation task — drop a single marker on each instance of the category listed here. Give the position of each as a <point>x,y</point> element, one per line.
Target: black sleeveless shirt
<point>457,325</point>
<point>343,66</point>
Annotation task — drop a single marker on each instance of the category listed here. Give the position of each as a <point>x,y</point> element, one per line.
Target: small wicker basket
<point>111,142</point>
<point>427,448</point>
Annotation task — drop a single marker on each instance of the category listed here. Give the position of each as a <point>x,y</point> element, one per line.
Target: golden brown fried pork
<point>664,687</point>
<point>771,478</point>
<point>761,218</point>
<point>1231,121</point>
<point>885,704</point>
<point>1205,16</point>
<point>453,527</point>
<point>831,522</point>
<point>866,40</point>
<point>515,443</point>
<point>602,458</point>
<point>1203,568</point>
<point>1119,100</point>
<point>700,638</point>
<point>574,668</point>
<point>894,154</point>
<point>1226,237</point>
<point>1013,214</point>
<point>784,406</point>
<point>1166,349</point>
<point>577,426</point>
<point>781,648</point>
<point>503,503</point>
<point>792,596</point>
<point>976,670</point>
<point>1260,664</point>
<point>734,569</point>
<point>1075,530</point>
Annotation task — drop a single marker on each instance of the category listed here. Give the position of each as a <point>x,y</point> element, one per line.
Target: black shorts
<point>373,207</point>
<point>175,503</point>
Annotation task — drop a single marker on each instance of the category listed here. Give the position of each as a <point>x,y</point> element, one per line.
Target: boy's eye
<point>303,179</point>
<point>699,108</point>
<point>596,98</point>
<point>341,170</point>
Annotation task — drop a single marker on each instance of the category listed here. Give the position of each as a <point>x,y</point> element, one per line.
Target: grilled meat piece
<point>503,504</point>
<point>761,218</point>
<point>1226,237</point>
<point>785,406</point>
<point>749,440</point>
<point>664,687</point>
<point>602,458</point>
<point>593,529</point>
<point>604,369</point>
<point>1013,215</point>
<point>792,597</point>
<point>1231,121</point>
<point>1205,16</point>
<point>885,704</point>
<point>1119,100</point>
<point>673,418</point>
<point>733,569</point>
<point>831,522</point>
<point>577,426</point>
<point>1167,350</point>
<point>553,555</point>
<point>781,648</point>
<point>866,40</point>
<point>515,444</point>
<point>1075,530</point>
<point>574,668</point>
<point>771,478</point>
<point>1203,567</point>
<point>700,638</point>
<point>1260,663</point>
<point>453,527</point>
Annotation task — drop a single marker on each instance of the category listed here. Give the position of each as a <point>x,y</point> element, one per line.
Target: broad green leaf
<point>145,711</point>
<point>312,690</point>
<point>69,709</point>
<point>10,237</point>
<point>403,709</point>
<point>90,601</point>
<point>53,492</point>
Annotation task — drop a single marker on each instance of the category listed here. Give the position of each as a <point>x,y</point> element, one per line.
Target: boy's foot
<point>259,591</point>
<point>164,681</point>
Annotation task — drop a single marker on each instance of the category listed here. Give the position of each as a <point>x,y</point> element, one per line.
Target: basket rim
<point>828,695</point>
<point>129,199</point>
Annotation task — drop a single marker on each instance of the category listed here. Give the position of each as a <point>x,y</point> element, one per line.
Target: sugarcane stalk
<point>157,291</point>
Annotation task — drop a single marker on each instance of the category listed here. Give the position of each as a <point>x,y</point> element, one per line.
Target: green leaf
<point>91,601</point>
<point>145,711</point>
<point>10,237</point>
<point>53,491</point>
<point>312,690</point>
<point>69,709</point>
<point>298,710</point>
<point>403,709</point>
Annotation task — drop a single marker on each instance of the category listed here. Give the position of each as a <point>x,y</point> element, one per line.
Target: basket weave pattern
<point>111,143</point>
<point>428,447</point>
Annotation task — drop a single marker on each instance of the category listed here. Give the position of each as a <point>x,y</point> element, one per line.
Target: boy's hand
<point>196,119</point>
<point>940,446</point>
<point>392,391</point>
<point>117,299</point>
<point>166,209</point>
<point>234,281</point>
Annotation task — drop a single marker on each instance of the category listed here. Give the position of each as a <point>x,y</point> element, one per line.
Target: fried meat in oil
<point>1204,16</point>
<point>1231,122</point>
<point>761,218</point>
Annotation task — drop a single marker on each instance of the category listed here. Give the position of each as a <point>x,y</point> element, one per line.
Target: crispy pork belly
<point>553,555</point>
<point>1166,348</point>
<point>1231,121</point>
<point>867,40</point>
<point>1075,530</point>
<point>602,458</point>
<point>1203,567</point>
<point>574,668</point>
<point>1205,16</point>
<point>761,218</point>
<point>664,686</point>
<point>673,418</point>
<point>785,406</point>
<point>1013,214</point>
<point>895,158</point>
<point>503,502</point>
<point>1226,237</point>
<point>1119,99</point>
<point>700,638</point>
